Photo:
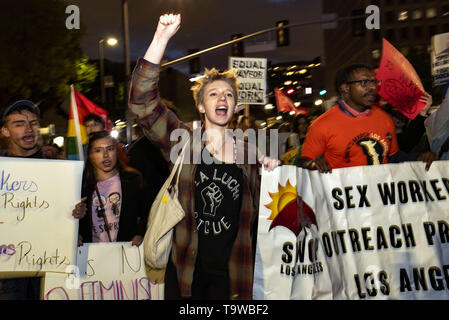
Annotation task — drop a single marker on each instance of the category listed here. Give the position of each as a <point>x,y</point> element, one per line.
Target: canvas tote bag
<point>165,213</point>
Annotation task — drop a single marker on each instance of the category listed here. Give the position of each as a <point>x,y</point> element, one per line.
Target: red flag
<point>85,106</point>
<point>80,107</point>
<point>400,85</point>
<point>285,104</point>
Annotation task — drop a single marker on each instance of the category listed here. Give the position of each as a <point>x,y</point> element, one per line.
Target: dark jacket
<point>412,134</point>
<point>134,208</point>
<point>146,158</point>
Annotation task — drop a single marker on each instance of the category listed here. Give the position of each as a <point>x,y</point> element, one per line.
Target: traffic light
<point>282,35</point>
<point>237,48</point>
<point>194,64</point>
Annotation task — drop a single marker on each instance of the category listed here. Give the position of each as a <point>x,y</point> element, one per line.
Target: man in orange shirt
<point>354,132</point>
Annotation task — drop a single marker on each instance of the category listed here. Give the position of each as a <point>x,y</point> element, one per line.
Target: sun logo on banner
<point>284,209</point>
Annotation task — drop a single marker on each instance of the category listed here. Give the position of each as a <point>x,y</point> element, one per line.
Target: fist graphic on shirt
<point>212,197</point>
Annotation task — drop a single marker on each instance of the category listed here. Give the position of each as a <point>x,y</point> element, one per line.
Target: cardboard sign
<point>251,73</point>
<point>400,86</point>
<point>105,271</point>
<point>359,233</point>
<point>440,58</point>
<point>37,230</point>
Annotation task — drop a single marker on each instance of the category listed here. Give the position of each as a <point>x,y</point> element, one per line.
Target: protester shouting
<point>20,124</point>
<point>354,132</point>
<point>94,123</point>
<point>213,250</point>
<point>113,196</point>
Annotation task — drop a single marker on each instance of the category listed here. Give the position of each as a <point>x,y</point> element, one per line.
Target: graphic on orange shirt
<point>373,146</point>
<point>284,208</point>
<point>351,141</point>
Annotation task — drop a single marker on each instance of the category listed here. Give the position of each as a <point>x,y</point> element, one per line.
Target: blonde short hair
<point>211,75</point>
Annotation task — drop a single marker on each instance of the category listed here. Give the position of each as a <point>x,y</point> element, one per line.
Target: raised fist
<point>168,26</point>
<point>212,197</point>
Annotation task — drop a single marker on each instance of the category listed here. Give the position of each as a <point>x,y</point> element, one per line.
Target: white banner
<point>252,74</point>
<point>105,271</point>
<point>37,230</point>
<point>376,232</point>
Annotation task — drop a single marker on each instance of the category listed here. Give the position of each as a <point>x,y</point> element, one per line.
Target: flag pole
<point>77,122</point>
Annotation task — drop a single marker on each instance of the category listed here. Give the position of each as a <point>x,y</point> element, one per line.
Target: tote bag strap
<point>178,166</point>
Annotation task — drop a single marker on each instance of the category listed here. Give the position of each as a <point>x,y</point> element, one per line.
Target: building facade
<point>406,24</point>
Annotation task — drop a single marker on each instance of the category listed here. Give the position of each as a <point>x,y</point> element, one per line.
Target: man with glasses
<point>354,132</point>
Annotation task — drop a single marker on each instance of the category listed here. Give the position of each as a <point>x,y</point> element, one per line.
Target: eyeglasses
<point>365,82</point>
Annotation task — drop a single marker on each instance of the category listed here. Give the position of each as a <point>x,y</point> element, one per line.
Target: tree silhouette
<point>39,55</point>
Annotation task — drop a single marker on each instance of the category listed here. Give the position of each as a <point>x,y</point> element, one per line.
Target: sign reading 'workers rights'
<point>37,231</point>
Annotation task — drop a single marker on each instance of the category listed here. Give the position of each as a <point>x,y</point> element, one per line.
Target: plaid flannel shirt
<point>158,122</point>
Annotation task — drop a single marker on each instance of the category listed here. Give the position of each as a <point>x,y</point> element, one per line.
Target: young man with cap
<point>20,124</point>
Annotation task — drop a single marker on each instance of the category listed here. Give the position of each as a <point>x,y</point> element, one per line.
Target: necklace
<point>214,151</point>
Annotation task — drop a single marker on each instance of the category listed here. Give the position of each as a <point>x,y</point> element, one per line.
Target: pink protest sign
<point>401,85</point>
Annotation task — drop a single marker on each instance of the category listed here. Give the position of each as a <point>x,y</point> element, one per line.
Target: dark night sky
<point>205,23</point>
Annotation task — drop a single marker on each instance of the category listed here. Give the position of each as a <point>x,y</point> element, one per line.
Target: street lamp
<point>110,42</point>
